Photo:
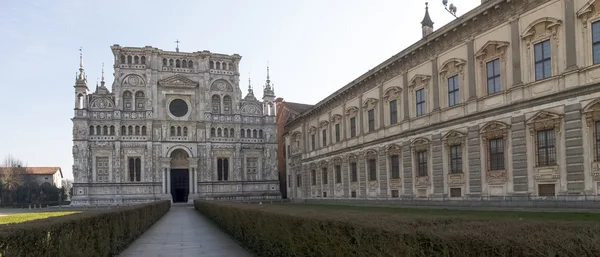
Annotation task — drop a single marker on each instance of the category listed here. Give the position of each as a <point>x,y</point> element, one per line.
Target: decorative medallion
<point>178,108</point>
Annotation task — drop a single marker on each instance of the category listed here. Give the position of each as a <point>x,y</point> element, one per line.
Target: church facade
<point>174,126</point>
<point>504,101</point>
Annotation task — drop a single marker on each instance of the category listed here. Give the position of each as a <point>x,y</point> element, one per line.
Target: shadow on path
<point>184,232</point>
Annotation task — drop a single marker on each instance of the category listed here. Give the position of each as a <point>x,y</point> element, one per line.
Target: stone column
<point>165,164</point>
<point>193,175</point>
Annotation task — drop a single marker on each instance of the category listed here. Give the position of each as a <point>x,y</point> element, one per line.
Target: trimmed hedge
<point>92,233</point>
<point>284,230</point>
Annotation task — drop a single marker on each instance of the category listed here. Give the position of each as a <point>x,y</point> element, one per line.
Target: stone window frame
<point>545,120</point>
<point>368,105</point>
<point>296,142</point>
<point>312,139</point>
<point>390,94</point>
<point>491,51</point>
<point>450,139</point>
<point>390,150</point>
<point>371,155</point>
<point>324,173</point>
<point>354,185</point>
<point>336,119</point>
<point>323,131</point>
<point>588,14</point>
<point>549,30</point>
<point>420,81</point>
<point>337,162</point>
<point>450,68</point>
<point>489,131</point>
<point>313,175</point>
<point>418,145</point>
<point>352,112</point>
<point>591,113</point>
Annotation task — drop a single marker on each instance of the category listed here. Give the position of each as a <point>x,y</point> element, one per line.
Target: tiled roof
<point>298,107</point>
<point>39,170</point>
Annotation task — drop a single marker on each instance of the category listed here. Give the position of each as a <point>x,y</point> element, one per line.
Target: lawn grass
<point>23,217</point>
<point>449,213</point>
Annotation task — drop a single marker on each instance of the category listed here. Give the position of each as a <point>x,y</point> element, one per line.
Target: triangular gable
<point>177,80</point>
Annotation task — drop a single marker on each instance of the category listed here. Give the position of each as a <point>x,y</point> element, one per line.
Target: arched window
<point>185,132</point>
<point>226,132</point>
<point>216,104</point>
<point>172,131</point>
<point>123,131</point>
<point>137,130</point>
<point>135,169</point>
<point>112,130</point>
<point>130,130</point>
<point>91,130</point>
<point>218,65</point>
<point>144,131</point>
<point>191,64</point>
<point>254,133</point>
<point>212,132</point>
<point>226,104</point>
<point>222,169</point>
<point>122,59</point>
<point>219,132</point>
<point>139,100</point>
<point>80,101</point>
<point>164,61</point>
<point>98,130</point>
<point>171,62</point>
<point>225,66</point>
<point>242,133</point>
<point>136,60</point>
<point>231,133</point>
<point>248,133</point>
<point>143,59</point>
<point>212,64</point>
<point>105,130</point>
<point>129,59</point>
<point>177,64</point>
<point>184,64</point>
<point>127,101</point>
<point>178,131</point>
<point>260,134</point>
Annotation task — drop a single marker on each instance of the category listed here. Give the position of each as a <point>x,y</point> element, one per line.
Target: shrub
<point>288,231</point>
<point>93,233</point>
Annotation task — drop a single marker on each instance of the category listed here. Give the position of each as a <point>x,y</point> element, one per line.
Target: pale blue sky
<point>313,47</point>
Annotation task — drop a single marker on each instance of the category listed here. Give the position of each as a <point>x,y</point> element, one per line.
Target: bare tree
<point>12,173</point>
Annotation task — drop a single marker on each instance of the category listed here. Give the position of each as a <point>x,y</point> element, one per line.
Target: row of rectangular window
<point>546,152</point>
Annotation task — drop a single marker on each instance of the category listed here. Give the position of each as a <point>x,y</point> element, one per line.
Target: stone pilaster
<point>574,148</point>
<point>474,155</point>
<point>381,104</point>
<point>383,173</point>
<point>345,177</point>
<point>471,70</point>
<point>407,177</point>
<point>405,96</point>
<point>437,164</point>
<point>519,154</point>
<point>362,176</point>
<point>435,84</point>
<point>515,42</point>
<point>570,45</point>
<point>360,123</point>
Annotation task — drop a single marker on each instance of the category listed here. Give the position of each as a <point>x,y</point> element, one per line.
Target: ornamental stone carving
<point>544,120</point>
<point>420,144</point>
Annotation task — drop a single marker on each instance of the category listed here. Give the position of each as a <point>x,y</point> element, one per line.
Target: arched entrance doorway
<point>180,176</point>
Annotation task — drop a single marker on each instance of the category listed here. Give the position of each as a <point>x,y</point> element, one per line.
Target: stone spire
<point>427,23</point>
<point>81,78</point>
<point>268,90</point>
<point>102,78</point>
<point>250,96</point>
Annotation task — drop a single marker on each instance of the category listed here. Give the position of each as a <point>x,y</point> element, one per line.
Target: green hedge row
<point>281,231</point>
<point>91,233</point>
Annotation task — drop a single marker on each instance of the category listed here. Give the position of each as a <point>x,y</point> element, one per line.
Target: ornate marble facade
<point>502,101</point>
<point>173,126</point>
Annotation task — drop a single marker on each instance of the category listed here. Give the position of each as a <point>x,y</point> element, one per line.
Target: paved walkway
<point>184,232</point>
